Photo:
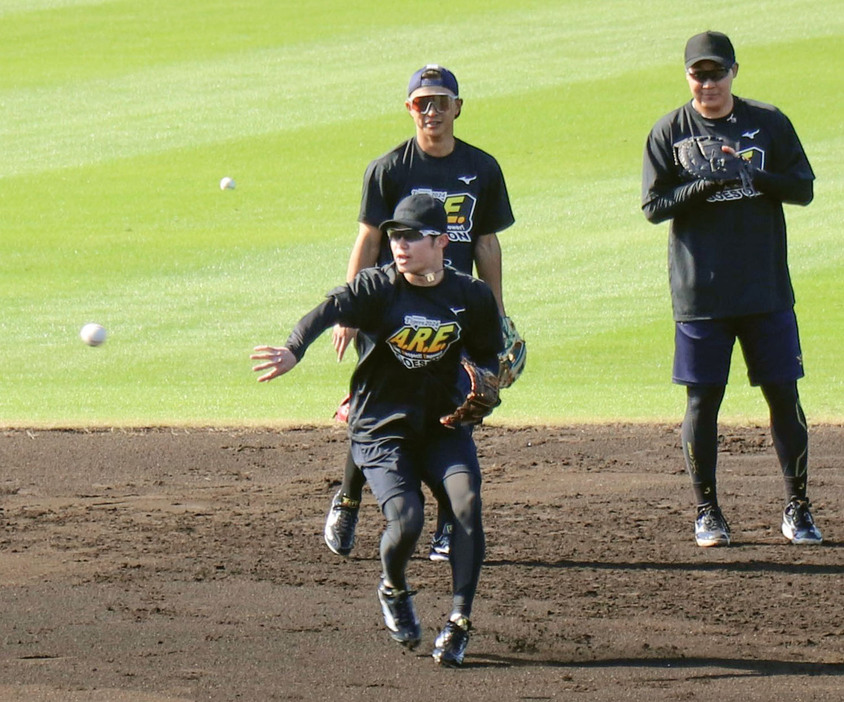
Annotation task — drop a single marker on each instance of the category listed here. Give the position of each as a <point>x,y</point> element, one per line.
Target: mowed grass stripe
<point>238,92</point>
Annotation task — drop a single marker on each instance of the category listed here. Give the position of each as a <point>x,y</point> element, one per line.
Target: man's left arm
<point>488,266</point>
<point>512,357</point>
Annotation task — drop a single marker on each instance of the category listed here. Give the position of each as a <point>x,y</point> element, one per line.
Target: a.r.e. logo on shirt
<point>459,209</point>
<point>422,341</point>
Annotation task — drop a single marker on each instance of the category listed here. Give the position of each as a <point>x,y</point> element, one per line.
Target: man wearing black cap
<point>729,275</point>
<point>418,319</point>
<point>470,184</point>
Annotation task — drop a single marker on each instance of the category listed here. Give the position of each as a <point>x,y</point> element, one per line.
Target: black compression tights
<point>353,479</point>
<point>468,543</point>
<point>790,435</point>
<point>404,515</point>
<point>700,437</point>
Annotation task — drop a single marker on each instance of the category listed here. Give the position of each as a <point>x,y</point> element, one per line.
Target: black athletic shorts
<point>395,465</point>
<point>770,344</point>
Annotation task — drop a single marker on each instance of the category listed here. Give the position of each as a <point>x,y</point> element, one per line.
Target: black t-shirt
<point>727,250</point>
<point>413,340</point>
<point>468,182</point>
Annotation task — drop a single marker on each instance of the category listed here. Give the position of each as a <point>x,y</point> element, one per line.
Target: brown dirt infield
<point>169,564</point>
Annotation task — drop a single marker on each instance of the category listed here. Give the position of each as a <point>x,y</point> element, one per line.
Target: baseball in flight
<point>227,184</point>
<point>93,334</point>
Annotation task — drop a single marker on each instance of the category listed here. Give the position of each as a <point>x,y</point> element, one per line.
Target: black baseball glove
<point>703,158</point>
<point>481,400</point>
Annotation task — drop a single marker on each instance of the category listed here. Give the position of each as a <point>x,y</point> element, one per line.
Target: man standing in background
<point>728,271</point>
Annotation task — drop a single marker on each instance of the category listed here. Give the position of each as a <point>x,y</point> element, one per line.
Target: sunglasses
<point>422,103</point>
<point>715,74</point>
<point>409,235</point>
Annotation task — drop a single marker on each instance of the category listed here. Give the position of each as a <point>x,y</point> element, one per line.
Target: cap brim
<point>717,59</point>
<point>426,229</point>
<point>432,90</point>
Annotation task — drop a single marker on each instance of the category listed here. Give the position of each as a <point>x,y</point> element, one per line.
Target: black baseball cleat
<point>797,523</point>
<point>711,529</point>
<point>340,524</point>
<point>441,543</point>
<point>400,615</point>
<point>450,645</point>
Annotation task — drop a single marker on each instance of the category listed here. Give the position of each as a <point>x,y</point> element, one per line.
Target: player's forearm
<point>487,340</point>
<point>487,361</point>
<point>309,328</point>
<point>794,191</point>
<point>488,266</point>
<point>365,251</point>
<point>667,205</point>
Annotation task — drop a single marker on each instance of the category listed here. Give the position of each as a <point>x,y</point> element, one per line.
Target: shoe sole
<point>408,644</point>
<point>446,662</point>
<point>438,557</point>
<point>337,551</point>
<point>789,534</point>
<point>712,543</point>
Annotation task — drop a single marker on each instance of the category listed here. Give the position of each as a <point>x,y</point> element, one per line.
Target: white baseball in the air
<point>227,184</point>
<point>93,334</point>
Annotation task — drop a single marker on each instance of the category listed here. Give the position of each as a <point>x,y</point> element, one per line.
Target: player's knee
<point>704,400</point>
<point>467,509</point>
<point>405,516</point>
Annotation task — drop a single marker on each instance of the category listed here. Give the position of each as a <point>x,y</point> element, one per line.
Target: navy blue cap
<point>710,46</point>
<point>433,75</point>
<point>421,212</point>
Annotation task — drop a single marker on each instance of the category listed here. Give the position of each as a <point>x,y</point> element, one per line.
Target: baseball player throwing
<point>409,421</point>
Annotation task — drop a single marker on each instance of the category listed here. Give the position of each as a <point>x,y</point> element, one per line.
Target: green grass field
<point>121,116</point>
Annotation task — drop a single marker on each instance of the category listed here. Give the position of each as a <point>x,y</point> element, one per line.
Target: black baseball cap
<point>433,75</point>
<point>421,212</point>
<point>710,46</point>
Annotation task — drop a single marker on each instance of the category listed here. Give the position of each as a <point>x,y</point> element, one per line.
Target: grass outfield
<point>120,118</point>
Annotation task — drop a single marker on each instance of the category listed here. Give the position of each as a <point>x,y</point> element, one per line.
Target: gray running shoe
<point>400,615</point>
<point>340,524</point>
<point>450,645</point>
<point>711,529</point>
<point>797,523</point>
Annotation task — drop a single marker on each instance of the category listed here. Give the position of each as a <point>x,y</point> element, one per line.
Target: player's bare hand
<point>729,150</point>
<point>341,337</point>
<point>278,360</point>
